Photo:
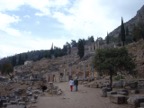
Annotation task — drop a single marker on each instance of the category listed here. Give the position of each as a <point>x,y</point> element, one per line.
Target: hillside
<point>66,66</point>
<point>137,50</point>
<point>139,18</point>
<point>71,64</point>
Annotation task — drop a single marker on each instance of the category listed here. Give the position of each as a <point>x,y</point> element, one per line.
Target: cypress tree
<point>80,48</point>
<point>52,51</point>
<point>107,39</point>
<point>122,32</point>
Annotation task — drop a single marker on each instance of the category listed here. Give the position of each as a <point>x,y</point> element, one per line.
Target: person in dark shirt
<point>76,84</point>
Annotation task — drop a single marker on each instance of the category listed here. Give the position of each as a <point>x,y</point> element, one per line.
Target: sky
<point>27,25</point>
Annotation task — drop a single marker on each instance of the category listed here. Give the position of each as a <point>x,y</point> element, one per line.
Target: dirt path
<point>84,98</point>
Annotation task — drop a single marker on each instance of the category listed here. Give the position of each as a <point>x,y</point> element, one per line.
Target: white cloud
<point>6,21</point>
<point>13,32</point>
<point>26,16</point>
<point>46,5</point>
<point>85,18</point>
<point>10,4</point>
<point>14,45</point>
<point>43,7</point>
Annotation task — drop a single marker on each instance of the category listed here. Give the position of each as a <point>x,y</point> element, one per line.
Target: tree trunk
<point>111,81</point>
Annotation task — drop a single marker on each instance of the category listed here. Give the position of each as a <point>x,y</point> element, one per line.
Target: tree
<point>21,59</point>
<point>136,33</point>
<point>122,33</point>
<point>7,68</point>
<point>100,41</point>
<point>52,51</point>
<point>107,39</point>
<point>68,48</point>
<point>80,48</point>
<point>112,60</point>
<point>73,43</point>
<point>91,39</point>
<point>128,36</point>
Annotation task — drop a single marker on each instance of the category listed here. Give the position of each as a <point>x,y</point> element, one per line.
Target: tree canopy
<point>113,60</point>
<point>7,69</point>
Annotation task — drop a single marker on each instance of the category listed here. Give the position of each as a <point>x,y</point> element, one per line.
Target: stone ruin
<point>24,92</point>
<point>124,91</point>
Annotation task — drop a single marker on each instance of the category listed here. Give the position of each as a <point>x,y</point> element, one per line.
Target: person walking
<point>71,83</point>
<point>76,84</point>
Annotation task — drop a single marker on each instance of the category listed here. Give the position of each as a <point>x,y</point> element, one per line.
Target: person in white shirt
<point>71,83</point>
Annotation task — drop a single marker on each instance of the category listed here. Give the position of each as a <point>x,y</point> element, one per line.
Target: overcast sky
<point>27,25</point>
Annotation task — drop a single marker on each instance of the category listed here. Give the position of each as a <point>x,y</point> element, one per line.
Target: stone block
<point>142,104</point>
<point>118,99</point>
<point>29,93</point>
<point>13,102</point>
<point>33,100</point>
<point>118,84</point>
<point>105,90</point>
<point>5,104</point>
<point>35,97</point>
<point>21,103</point>
<point>135,91</point>
<point>122,93</point>
<point>135,101</point>
<point>111,93</point>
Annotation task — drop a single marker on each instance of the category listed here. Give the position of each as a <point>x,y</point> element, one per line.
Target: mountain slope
<point>139,18</point>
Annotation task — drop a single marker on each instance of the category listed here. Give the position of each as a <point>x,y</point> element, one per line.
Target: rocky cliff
<point>131,23</point>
